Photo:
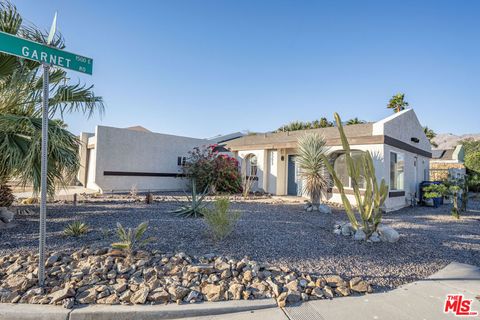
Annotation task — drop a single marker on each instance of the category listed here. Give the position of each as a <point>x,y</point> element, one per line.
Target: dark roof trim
<point>405,146</point>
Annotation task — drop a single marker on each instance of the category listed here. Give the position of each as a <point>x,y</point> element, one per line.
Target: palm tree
<point>430,135</point>
<point>325,123</point>
<point>354,121</point>
<point>311,149</point>
<point>397,102</point>
<point>20,111</point>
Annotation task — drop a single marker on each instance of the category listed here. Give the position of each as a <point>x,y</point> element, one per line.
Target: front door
<point>293,187</point>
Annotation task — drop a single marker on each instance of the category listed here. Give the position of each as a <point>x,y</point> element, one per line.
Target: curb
<point>122,312</point>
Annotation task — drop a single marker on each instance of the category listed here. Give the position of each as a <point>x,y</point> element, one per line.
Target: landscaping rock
<point>323,208</point>
<point>95,276</point>
<point>140,296</point>
<point>359,235</point>
<point>388,234</point>
<point>358,285</point>
<point>61,294</point>
<point>347,229</point>
<point>6,216</point>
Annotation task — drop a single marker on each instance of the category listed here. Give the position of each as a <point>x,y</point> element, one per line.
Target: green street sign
<point>27,49</point>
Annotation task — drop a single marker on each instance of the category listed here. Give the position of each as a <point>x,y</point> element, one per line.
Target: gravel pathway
<point>274,233</point>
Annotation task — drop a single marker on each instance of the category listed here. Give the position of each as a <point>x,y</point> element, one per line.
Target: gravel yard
<point>275,233</point>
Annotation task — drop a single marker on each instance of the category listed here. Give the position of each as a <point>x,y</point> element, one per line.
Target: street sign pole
<point>43,186</point>
<point>48,56</point>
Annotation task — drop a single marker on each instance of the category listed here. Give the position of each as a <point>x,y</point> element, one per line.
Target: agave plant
<point>75,229</point>
<point>131,239</point>
<point>369,206</point>
<point>195,205</point>
<point>311,153</point>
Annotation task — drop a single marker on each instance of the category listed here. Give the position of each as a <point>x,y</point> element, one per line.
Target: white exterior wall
<point>272,171</point>
<point>135,151</point>
<point>260,154</point>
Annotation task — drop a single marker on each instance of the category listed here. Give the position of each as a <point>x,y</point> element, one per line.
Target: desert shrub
<point>211,170</point>
<point>435,191</point>
<point>220,219</point>
<point>76,229</point>
<point>6,196</point>
<point>131,239</point>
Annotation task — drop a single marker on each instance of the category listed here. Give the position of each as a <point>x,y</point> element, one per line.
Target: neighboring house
<point>117,159</point>
<point>447,163</point>
<point>401,153</point>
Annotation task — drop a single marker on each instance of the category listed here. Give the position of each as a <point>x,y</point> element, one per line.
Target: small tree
<point>397,102</point>
<point>311,153</point>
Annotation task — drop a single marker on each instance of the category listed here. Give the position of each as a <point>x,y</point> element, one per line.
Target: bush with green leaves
<point>76,229</point>
<point>131,239</point>
<point>435,191</point>
<point>213,171</point>
<point>220,219</point>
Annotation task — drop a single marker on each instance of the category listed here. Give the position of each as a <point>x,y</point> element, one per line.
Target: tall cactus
<point>369,206</point>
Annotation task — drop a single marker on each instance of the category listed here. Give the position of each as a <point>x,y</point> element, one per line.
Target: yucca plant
<point>76,229</point>
<point>131,239</point>
<point>370,205</point>
<point>6,196</point>
<point>310,159</point>
<point>220,219</point>
<point>195,204</point>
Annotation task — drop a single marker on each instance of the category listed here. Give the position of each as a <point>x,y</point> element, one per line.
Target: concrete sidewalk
<point>419,300</point>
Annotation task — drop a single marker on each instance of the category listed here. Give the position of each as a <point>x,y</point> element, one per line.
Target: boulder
<point>159,295</point>
<point>358,285</point>
<point>236,291</point>
<point>140,296</point>
<point>323,208</point>
<point>359,235</point>
<point>6,215</point>
<point>374,237</point>
<point>61,294</point>
<point>87,296</point>
<point>213,292</point>
<point>388,234</point>
<point>347,229</point>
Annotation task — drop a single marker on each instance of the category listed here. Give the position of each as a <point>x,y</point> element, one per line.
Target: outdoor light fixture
<point>416,140</point>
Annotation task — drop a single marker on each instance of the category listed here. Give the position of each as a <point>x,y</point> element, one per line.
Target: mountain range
<point>449,140</point>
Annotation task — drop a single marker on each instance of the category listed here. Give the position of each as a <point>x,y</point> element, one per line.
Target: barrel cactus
<point>369,205</point>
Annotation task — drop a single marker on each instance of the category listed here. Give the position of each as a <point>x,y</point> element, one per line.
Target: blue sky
<point>201,68</point>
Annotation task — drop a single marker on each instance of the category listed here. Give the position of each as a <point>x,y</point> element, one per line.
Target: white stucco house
<point>121,159</point>
<point>398,145</point>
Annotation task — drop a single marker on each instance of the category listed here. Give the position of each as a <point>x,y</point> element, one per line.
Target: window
<point>340,167</point>
<point>181,161</point>
<point>397,170</point>
<point>252,161</point>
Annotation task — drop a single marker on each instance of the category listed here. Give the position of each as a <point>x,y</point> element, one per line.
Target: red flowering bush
<point>219,172</point>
